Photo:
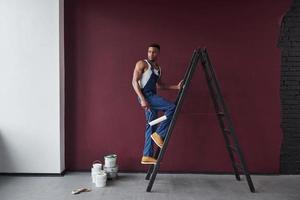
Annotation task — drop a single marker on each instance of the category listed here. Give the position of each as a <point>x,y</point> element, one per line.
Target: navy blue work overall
<point>157,103</point>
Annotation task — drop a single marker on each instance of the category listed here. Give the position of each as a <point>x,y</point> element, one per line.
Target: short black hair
<point>154,45</point>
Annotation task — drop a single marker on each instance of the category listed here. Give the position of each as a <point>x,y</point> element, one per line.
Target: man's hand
<point>145,104</point>
<point>179,85</point>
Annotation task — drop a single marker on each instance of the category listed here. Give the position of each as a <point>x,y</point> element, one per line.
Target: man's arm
<point>161,85</point>
<point>137,75</point>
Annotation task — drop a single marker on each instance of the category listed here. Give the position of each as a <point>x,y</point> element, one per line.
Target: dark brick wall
<point>289,43</point>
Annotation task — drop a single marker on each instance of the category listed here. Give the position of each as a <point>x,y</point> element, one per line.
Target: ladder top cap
<point>201,50</point>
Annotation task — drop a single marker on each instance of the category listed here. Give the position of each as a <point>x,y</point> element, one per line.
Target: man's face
<point>153,53</point>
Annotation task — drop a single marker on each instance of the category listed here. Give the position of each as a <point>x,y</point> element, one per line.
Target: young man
<point>146,79</point>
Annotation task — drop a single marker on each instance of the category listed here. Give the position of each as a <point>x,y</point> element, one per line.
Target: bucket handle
<point>97,161</point>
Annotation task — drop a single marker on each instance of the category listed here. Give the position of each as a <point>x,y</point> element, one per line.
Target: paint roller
<point>158,120</point>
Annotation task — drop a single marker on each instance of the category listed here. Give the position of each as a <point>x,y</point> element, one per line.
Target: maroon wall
<point>105,39</point>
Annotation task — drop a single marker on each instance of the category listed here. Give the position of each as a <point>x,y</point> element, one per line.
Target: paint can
<point>97,165</point>
<point>97,168</point>
<point>101,179</point>
<point>110,160</point>
<point>110,166</point>
<point>112,172</point>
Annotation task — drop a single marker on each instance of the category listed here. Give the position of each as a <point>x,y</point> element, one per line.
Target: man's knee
<point>172,108</point>
<point>150,115</point>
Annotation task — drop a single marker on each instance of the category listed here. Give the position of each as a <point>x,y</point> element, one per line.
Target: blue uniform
<point>157,103</point>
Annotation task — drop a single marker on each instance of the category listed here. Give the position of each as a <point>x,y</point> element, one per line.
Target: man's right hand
<point>145,104</point>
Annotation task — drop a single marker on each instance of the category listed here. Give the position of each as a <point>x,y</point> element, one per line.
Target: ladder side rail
<point>229,121</point>
<point>172,123</point>
<point>187,71</point>
<point>212,92</point>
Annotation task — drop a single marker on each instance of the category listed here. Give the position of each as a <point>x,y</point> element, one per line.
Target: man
<point>146,79</point>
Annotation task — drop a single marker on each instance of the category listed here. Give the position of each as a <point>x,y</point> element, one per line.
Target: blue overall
<point>156,103</point>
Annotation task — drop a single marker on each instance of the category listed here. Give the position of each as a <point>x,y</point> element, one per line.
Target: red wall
<point>105,39</point>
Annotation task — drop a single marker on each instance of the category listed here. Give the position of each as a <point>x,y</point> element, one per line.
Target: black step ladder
<point>237,160</point>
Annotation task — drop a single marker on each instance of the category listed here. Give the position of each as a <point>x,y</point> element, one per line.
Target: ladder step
<point>227,131</point>
<point>232,148</point>
<point>238,165</point>
<point>220,113</point>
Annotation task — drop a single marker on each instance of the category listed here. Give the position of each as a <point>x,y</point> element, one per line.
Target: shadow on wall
<point>289,43</point>
<point>6,165</point>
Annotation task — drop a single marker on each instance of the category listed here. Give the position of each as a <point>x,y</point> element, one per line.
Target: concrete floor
<point>132,186</point>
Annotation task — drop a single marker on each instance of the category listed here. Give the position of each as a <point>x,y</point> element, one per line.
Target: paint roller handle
<point>158,120</point>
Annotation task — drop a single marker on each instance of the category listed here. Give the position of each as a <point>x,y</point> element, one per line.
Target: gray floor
<point>167,186</point>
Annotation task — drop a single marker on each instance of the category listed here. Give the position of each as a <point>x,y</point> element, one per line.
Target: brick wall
<point>289,43</point>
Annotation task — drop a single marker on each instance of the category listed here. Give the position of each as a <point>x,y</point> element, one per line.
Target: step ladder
<point>235,154</point>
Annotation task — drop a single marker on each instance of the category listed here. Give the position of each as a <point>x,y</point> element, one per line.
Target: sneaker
<point>157,139</point>
<point>148,160</point>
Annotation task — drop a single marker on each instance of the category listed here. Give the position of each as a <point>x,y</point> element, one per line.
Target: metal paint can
<point>101,179</point>
<point>97,164</point>
<point>97,167</point>
<point>110,160</point>
<point>112,172</point>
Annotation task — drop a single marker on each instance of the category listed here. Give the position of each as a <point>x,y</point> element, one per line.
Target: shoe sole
<point>160,146</point>
<point>148,163</point>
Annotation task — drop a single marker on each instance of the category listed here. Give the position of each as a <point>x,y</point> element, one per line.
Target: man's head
<point>153,51</point>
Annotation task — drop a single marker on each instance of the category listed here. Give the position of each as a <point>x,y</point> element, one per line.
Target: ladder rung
<point>220,113</point>
<point>227,131</point>
<point>238,165</point>
<point>232,148</point>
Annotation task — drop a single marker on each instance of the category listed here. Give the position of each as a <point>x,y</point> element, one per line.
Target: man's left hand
<point>179,85</point>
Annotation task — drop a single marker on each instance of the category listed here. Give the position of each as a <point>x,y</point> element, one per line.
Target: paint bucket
<point>110,160</point>
<point>97,164</point>
<point>97,167</point>
<point>112,172</point>
<point>101,179</point>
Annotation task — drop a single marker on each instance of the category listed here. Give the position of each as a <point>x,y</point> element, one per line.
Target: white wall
<point>31,86</point>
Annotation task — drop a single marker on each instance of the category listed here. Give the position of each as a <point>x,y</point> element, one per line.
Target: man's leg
<point>159,103</point>
<point>148,148</point>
